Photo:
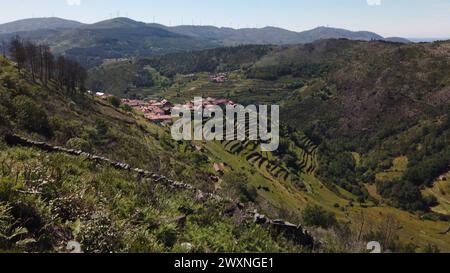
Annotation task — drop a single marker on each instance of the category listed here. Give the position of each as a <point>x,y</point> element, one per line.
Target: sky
<point>405,18</point>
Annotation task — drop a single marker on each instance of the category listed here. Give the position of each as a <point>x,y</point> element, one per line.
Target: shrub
<point>30,116</point>
<point>199,159</point>
<point>237,183</point>
<point>126,108</point>
<point>79,144</point>
<point>404,195</point>
<point>115,101</point>
<point>100,234</point>
<point>432,249</point>
<point>167,235</point>
<point>315,216</point>
<point>248,193</point>
<point>10,232</point>
<point>102,127</point>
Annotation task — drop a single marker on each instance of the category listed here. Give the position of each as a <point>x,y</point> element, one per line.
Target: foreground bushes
<point>315,216</point>
<point>30,116</point>
<point>58,198</point>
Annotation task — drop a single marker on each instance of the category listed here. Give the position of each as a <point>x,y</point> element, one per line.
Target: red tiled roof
<point>219,167</point>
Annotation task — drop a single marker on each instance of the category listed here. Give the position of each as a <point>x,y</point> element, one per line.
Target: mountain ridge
<point>224,36</point>
<point>275,35</point>
<point>49,23</point>
<point>118,38</point>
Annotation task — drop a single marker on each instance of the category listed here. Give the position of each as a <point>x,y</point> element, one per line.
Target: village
<point>160,111</point>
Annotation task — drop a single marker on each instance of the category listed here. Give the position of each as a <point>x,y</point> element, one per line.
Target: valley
<point>312,96</point>
<point>364,151</point>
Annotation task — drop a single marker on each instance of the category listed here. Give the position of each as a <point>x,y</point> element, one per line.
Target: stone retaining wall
<point>293,232</point>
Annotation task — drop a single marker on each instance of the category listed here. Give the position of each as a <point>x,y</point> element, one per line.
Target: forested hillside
<point>50,198</point>
<point>373,116</point>
<point>124,38</point>
<point>363,155</point>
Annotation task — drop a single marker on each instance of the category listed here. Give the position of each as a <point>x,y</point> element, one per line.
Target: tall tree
<point>18,52</point>
<point>49,63</point>
<point>60,71</point>
<point>40,61</point>
<point>32,58</point>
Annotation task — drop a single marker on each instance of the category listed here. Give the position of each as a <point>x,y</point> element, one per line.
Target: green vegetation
<point>50,199</point>
<point>315,84</point>
<point>315,216</point>
<point>364,137</point>
<point>213,60</point>
<point>114,39</point>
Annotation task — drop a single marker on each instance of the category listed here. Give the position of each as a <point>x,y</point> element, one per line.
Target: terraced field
<point>238,88</point>
<point>269,164</point>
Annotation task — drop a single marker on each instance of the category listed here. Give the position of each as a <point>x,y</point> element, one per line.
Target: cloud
<point>374,2</point>
<point>73,2</point>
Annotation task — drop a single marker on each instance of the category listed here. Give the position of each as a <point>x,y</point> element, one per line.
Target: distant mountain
<point>276,36</point>
<point>321,33</point>
<point>111,39</point>
<point>231,37</point>
<point>121,22</point>
<point>51,23</point>
<point>125,38</point>
<point>398,40</point>
<point>428,40</point>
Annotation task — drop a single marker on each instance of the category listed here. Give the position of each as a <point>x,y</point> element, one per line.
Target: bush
<point>126,108</point>
<point>79,144</point>
<point>167,235</point>
<point>115,101</point>
<point>30,116</point>
<point>199,159</point>
<point>248,193</point>
<point>238,184</point>
<point>315,216</point>
<point>404,195</point>
<point>102,127</point>
<point>8,227</point>
<point>100,234</point>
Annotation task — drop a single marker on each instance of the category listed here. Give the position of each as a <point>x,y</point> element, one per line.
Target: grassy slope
<point>441,190</point>
<point>59,198</point>
<point>306,105</point>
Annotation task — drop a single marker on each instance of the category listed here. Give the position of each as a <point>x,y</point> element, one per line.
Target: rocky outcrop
<point>291,231</point>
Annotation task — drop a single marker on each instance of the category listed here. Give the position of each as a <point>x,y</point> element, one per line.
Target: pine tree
<point>18,52</point>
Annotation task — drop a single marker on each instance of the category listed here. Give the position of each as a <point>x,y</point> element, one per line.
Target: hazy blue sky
<point>407,18</point>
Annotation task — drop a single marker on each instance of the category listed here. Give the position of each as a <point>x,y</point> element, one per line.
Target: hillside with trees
<point>49,198</point>
<point>365,132</point>
<point>118,38</point>
<point>377,100</point>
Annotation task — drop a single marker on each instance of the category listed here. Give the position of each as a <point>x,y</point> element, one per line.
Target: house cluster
<point>160,111</point>
<point>155,111</point>
<point>219,78</point>
<point>116,60</point>
<point>205,103</point>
